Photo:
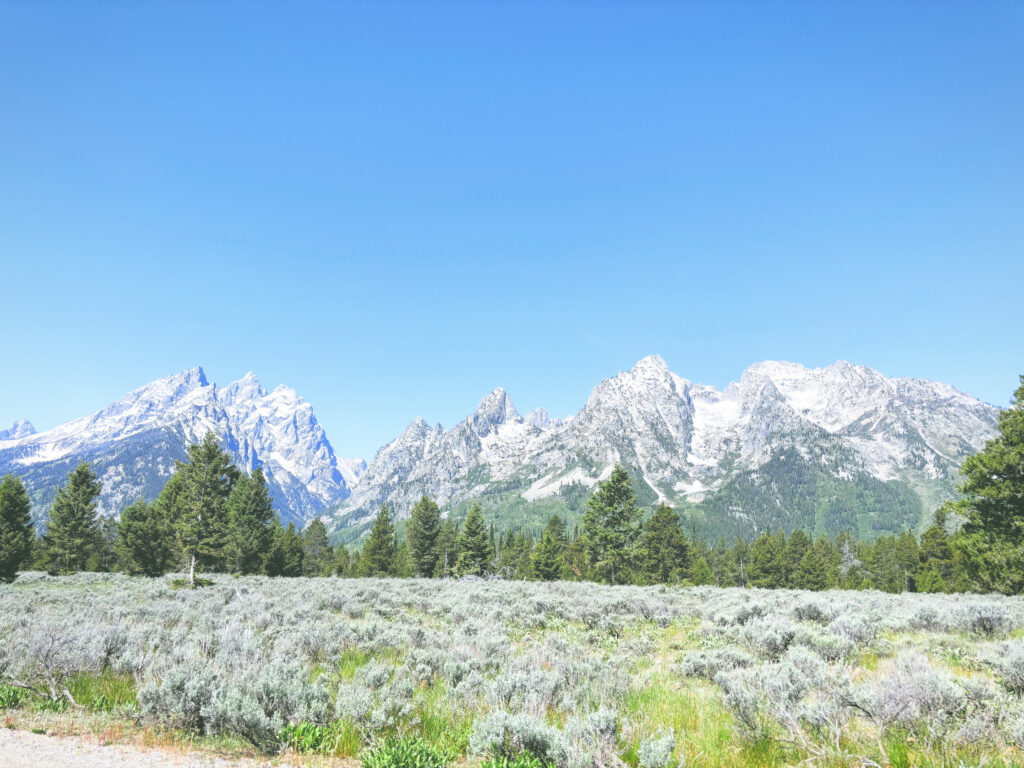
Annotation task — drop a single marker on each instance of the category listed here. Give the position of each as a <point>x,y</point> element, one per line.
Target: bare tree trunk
<point>192,572</point>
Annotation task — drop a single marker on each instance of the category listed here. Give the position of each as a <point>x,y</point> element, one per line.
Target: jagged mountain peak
<point>19,429</point>
<point>246,388</point>
<point>651,364</point>
<point>496,407</point>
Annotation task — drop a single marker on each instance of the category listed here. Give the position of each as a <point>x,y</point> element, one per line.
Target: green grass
<point>104,692</point>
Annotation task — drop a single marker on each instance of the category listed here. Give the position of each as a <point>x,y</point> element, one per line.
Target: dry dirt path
<point>23,749</point>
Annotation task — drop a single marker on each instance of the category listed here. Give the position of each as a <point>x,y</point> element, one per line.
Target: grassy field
<point>514,673</point>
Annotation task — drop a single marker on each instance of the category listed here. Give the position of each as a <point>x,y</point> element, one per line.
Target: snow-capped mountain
<point>22,428</point>
<point>786,446</point>
<point>133,443</point>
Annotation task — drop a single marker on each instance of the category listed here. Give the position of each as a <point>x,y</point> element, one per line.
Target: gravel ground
<point>23,749</point>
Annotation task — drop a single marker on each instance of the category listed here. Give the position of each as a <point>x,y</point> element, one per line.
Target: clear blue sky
<point>396,207</point>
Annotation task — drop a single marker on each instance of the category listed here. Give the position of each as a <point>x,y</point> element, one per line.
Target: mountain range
<point>133,443</point>
<point>840,447</point>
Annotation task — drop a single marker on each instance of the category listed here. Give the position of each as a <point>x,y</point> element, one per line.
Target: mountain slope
<point>786,446</point>
<point>134,442</point>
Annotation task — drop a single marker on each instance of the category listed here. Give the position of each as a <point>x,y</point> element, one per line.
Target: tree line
<point>212,517</point>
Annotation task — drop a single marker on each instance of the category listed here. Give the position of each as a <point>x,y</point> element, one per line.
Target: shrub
<point>709,663</point>
<point>180,699</point>
<point>506,735</point>
<point>405,752</point>
<point>656,751</point>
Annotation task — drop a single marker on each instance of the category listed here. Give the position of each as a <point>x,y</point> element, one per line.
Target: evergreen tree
<point>702,572</point>
<point>317,552</point>
<point>474,544</point>
<point>403,561</point>
<point>144,540</point>
<point>907,560</point>
<point>575,556</point>
<point>546,564</point>
<point>341,565</point>
<point>447,550</point>
<point>381,548</point>
<point>72,533</point>
<point>797,546</point>
<point>16,536</point>
<point>286,551</point>
<point>104,557</point>
<point>741,555</point>
<point>768,561</point>
<point>937,564</point>
<point>422,532</point>
<point>200,505</point>
<point>992,544</point>
<point>609,527</point>
<point>812,571</point>
<point>664,550</point>
<point>250,517</point>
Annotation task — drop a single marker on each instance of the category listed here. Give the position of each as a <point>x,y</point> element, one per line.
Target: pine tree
<point>797,546</point>
<point>474,544</point>
<point>992,544</point>
<point>144,540</point>
<point>609,527</point>
<point>664,550</point>
<point>16,536</point>
<point>200,505</point>
<point>575,556</point>
<point>768,561</point>
<point>907,561</point>
<point>812,571</point>
<point>250,517</point>
<point>546,564</point>
<point>317,552</point>
<point>381,548</point>
<point>341,565</point>
<point>104,556</point>
<point>422,532</point>
<point>72,532</point>
<point>702,572</point>
<point>937,564</point>
<point>447,550</point>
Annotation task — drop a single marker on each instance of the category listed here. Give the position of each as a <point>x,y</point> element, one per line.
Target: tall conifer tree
<point>422,532</point>
<point>475,552</point>
<point>16,534</point>
<point>144,540</point>
<point>250,517</point>
<point>317,553</point>
<point>609,527</point>
<point>72,533</point>
<point>200,514</point>
<point>381,548</point>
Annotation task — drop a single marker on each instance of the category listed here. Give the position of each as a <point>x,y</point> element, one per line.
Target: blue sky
<point>396,207</point>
